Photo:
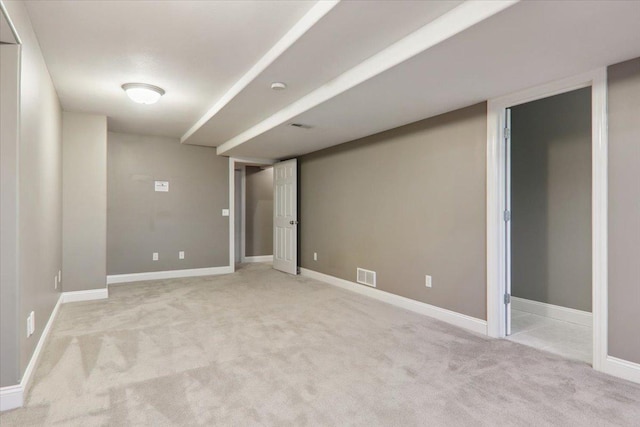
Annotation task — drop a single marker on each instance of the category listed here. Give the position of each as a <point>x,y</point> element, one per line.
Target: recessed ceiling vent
<point>367,277</point>
<point>299,125</point>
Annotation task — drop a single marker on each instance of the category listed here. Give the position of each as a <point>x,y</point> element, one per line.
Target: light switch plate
<point>225,212</point>
<point>181,255</point>
<point>162,186</point>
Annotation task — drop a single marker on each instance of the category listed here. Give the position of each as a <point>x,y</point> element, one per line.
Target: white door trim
<point>243,214</point>
<point>232,209</point>
<point>496,250</point>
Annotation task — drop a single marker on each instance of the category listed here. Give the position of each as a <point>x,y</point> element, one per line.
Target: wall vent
<point>366,277</point>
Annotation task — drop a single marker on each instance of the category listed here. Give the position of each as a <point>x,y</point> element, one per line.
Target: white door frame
<point>232,209</point>
<point>496,180</point>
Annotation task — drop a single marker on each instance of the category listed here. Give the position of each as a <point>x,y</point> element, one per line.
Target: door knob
<point>293,222</point>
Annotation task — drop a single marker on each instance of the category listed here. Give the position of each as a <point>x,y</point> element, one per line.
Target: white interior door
<point>285,216</point>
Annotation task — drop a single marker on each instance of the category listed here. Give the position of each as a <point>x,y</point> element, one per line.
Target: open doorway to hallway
<point>549,224</point>
<point>253,215</point>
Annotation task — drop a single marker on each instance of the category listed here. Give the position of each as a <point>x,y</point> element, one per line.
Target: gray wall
<point>551,200</point>
<point>9,142</point>
<point>259,211</point>
<point>405,203</point>
<point>188,218</point>
<point>624,210</point>
<point>84,201</point>
<point>40,198</point>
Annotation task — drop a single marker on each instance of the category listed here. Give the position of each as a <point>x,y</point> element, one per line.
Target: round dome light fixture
<point>143,93</point>
<point>278,86</point>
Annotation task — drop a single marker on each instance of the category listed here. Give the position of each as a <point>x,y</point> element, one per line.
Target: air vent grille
<point>366,277</point>
<point>299,125</point>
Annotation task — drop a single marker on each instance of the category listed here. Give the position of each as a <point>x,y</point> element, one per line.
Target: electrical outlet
<point>55,282</point>
<point>31,324</point>
<point>59,276</point>
<point>225,212</point>
<point>181,255</point>
<point>155,256</point>
<point>315,256</point>
<point>427,281</point>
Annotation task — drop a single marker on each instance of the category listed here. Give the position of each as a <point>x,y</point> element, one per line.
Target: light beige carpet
<point>262,348</point>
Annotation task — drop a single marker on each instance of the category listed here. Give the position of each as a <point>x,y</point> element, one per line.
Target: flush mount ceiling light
<point>143,93</point>
<point>278,86</point>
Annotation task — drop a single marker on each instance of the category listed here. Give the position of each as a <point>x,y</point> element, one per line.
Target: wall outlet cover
<point>155,256</point>
<point>225,212</point>
<point>315,256</point>
<point>31,324</point>
<point>427,281</point>
<point>181,255</point>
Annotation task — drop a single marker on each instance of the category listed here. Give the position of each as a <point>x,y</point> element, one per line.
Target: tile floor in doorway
<point>555,336</point>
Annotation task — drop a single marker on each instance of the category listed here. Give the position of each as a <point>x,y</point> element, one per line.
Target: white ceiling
<point>195,50</point>
<point>353,68</point>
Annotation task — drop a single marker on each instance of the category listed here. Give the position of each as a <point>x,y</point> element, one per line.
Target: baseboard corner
<point>12,397</point>
<point>621,368</point>
<point>86,295</point>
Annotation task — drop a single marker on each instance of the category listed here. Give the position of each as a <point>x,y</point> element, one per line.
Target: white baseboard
<point>88,295</point>
<point>624,369</point>
<point>12,397</point>
<point>170,274</point>
<point>261,258</point>
<point>552,311</point>
<point>461,320</point>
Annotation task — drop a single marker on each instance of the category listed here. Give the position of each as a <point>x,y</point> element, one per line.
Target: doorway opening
<point>499,298</point>
<point>548,224</point>
<point>253,212</point>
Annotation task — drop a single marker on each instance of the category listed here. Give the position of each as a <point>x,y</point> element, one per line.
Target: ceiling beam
<point>433,33</point>
<point>314,15</point>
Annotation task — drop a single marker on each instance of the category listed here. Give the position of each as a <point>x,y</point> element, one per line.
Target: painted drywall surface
<point>40,190</point>
<point>405,203</point>
<point>187,218</point>
<point>84,201</point>
<point>9,126</point>
<point>259,215</point>
<point>624,210</point>
<point>551,200</point>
